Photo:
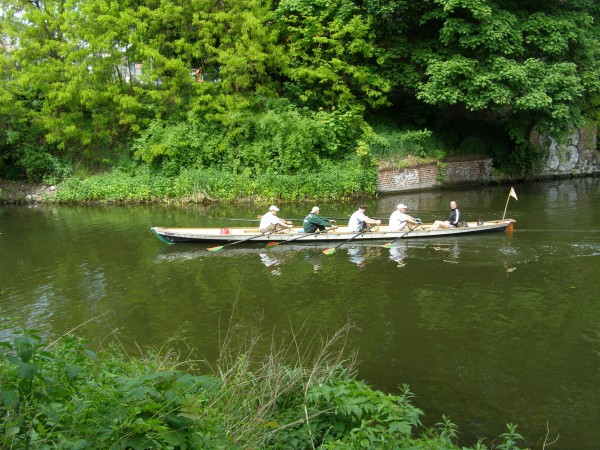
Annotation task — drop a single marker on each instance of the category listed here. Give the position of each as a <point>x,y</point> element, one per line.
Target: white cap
<point>402,206</point>
<point>273,208</point>
<point>314,210</point>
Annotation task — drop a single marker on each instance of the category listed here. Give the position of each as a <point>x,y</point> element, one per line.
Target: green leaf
<point>8,397</point>
<point>400,427</point>
<point>91,354</point>
<point>27,371</point>
<point>73,371</point>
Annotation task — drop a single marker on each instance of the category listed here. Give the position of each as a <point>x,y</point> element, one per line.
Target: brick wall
<point>469,171</point>
<point>576,154</point>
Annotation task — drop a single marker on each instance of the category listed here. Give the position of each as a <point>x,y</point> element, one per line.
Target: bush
<point>283,140</point>
<point>392,143</point>
<point>341,180</point>
<point>68,395</point>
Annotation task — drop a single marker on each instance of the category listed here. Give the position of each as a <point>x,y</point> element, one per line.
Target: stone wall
<point>429,176</point>
<point>575,155</point>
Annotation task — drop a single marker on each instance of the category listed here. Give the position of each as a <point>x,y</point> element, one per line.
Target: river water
<point>487,329</point>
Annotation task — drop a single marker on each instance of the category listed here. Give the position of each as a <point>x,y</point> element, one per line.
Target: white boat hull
<point>253,235</point>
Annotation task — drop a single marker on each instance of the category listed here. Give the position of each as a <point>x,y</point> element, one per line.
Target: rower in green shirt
<point>313,222</point>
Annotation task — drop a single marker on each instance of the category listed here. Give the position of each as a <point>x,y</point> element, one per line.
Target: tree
<point>511,59</point>
<point>333,56</point>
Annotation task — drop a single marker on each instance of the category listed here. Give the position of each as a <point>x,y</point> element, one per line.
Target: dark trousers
<point>314,228</point>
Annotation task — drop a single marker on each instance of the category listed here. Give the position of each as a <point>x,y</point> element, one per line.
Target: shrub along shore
<point>334,181</point>
<point>67,395</point>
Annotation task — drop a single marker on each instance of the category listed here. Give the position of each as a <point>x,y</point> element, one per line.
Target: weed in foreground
<point>301,394</point>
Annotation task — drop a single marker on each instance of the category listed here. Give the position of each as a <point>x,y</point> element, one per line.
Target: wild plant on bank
<point>341,180</point>
<point>302,394</point>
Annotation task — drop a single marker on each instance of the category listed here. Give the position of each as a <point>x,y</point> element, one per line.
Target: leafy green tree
<point>60,89</point>
<point>236,56</point>
<point>333,56</point>
<point>83,79</point>
<point>509,59</point>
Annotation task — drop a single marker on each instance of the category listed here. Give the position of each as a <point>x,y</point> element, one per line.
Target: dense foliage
<point>248,86</point>
<point>65,395</point>
<point>332,181</point>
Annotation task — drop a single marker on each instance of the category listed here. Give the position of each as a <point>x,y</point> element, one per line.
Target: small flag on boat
<point>512,194</point>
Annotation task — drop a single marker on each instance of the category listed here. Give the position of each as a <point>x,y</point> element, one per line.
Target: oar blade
<point>215,249</point>
<point>388,245</point>
<point>271,244</point>
<point>329,251</point>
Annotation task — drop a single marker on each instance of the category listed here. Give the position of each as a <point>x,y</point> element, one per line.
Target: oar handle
<point>286,220</point>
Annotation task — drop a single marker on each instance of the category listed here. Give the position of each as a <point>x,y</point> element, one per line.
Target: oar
<point>326,218</point>
<point>231,218</point>
<point>216,249</point>
<point>389,244</point>
<point>329,251</point>
<point>260,217</point>
<point>272,244</point>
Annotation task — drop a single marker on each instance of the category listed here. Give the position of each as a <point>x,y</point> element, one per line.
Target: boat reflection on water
<point>448,250</point>
<point>193,251</point>
<point>272,259</point>
<point>398,254</point>
<point>451,252</point>
<point>271,263</point>
<point>358,254</point>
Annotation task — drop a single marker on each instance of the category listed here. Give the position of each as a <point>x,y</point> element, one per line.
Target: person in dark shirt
<point>314,222</point>
<point>453,218</point>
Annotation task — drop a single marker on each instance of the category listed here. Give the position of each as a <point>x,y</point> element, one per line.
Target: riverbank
<point>334,181</point>
<point>16,192</point>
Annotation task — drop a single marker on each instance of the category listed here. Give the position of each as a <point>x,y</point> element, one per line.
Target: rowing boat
<point>379,233</point>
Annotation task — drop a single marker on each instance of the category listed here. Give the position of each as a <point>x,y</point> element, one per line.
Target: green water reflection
<point>488,329</point>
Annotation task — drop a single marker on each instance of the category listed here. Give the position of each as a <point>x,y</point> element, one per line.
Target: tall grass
<point>391,143</point>
<point>339,180</point>
<point>297,395</point>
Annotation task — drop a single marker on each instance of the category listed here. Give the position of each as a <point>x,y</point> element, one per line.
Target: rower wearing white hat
<point>399,218</point>
<point>314,222</point>
<point>270,222</point>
